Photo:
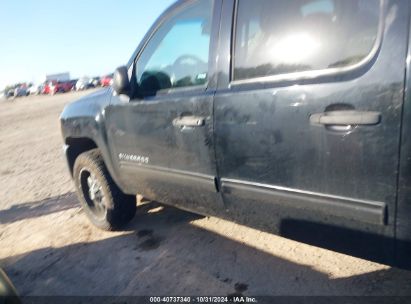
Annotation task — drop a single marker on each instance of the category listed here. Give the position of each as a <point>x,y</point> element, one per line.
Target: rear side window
<point>275,37</point>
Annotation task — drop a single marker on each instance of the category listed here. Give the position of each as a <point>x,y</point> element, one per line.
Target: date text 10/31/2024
<point>229,299</point>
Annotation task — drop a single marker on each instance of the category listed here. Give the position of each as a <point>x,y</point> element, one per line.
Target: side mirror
<point>121,82</point>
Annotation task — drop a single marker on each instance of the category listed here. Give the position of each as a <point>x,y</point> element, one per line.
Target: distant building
<point>58,77</point>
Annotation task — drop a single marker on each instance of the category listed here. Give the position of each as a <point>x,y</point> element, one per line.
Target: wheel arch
<point>76,146</point>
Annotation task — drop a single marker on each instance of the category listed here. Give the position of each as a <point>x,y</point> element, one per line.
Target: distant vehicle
<point>83,84</point>
<point>54,87</point>
<point>21,91</point>
<point>73,83</point>
<point>59,87</point>
<point>9,93</point>
<point>46,89</point>
<point>107,80</point>
<point>95,81</point>
<point>36,89</point>
<point>68,85</point>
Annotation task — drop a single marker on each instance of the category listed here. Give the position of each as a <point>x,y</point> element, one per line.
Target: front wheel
<point>104,203</point>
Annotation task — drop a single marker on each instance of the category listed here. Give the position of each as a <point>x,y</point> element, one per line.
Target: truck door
<point>308,111</point>
<point>162,140</point>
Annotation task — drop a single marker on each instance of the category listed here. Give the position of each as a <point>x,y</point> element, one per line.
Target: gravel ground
<point>48,247</point>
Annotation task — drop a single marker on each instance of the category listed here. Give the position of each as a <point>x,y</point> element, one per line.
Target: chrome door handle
<point>349,117</point>
<point>189,122</point>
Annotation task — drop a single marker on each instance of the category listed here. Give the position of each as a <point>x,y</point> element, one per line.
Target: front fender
<point>85,119</point>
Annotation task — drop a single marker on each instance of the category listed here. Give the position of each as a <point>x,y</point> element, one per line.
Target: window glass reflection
<point>177,55</point>
<point>284,36</point>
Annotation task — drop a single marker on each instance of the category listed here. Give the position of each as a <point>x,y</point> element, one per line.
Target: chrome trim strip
<point>370,212</point>
<point>302,192</point>
<point>309,75</point>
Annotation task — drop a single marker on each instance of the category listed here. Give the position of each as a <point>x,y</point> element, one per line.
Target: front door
<point>308,112</point>
<point>162,139</point>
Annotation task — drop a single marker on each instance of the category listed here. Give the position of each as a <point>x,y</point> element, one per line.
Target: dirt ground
<point>48,247</point>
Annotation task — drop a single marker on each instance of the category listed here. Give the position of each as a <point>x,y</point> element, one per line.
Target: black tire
<point>106,206</point>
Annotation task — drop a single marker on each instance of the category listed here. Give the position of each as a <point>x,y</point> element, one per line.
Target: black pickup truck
<point>291,116</point>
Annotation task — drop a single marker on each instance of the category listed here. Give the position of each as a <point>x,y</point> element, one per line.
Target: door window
<point>276,37</point>
<point>177,55</point>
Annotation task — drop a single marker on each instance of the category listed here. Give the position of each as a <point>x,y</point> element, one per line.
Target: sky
<point>83,37</point>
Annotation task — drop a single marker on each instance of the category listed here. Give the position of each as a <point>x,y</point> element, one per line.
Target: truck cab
<point>289,116</point>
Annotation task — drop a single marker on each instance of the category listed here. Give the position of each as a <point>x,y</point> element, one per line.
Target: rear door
<point>308,111</point>
<point>162,139</point>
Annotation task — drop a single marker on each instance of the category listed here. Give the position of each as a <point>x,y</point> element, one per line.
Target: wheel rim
<point>93,193</point>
